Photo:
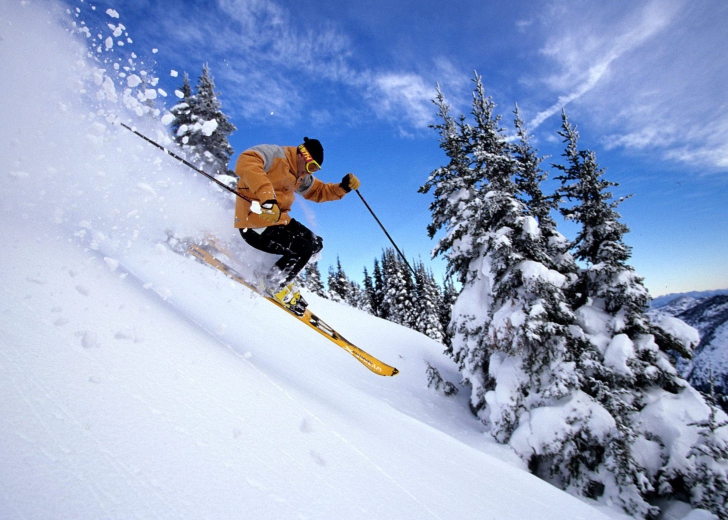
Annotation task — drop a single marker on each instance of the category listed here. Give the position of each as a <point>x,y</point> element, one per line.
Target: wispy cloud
<point>586,53</point>
<point>404,94</point>
<point>651,79</point>
<point>280,67</point>
<point>275,36</point>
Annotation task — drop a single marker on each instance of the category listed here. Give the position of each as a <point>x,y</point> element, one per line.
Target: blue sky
<point>643,81</point>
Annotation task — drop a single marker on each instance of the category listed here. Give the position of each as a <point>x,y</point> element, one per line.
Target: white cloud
<point>404,95</point>
<point>585,53</point>
<point>278,64</point>
<point>651,78</point>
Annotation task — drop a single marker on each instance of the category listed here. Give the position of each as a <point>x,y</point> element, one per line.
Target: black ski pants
<point>294,242</point>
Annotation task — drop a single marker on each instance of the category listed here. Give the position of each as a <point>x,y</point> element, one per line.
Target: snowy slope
<point>117,403</point>
<point>709,316</point>
<point>136,383</point>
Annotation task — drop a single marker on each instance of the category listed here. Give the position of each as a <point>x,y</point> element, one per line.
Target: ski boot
<point>290,297</point>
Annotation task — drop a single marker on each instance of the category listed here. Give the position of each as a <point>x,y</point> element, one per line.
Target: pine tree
<point>529,179</point>
<point>602,382</point>
<point>449,296</point>
<point>338,282</point>
<point>435,380</point>
<point>372,301</point>
<point>356,298</point>
<point>378,296</point>
<point>200,127</point>
<point>398,291</point>
<point>311,279</point>
<point>476,252</point>
<point>210,140</point>
<point>626,364</point>
<point>453,186</point>
<point>709,456</point>
<point>182,113</point>
<point>428,304</point>
<point>599,242</point>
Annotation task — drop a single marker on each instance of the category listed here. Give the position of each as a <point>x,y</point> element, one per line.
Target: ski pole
<point>385,232</point>
<point>184,161</point>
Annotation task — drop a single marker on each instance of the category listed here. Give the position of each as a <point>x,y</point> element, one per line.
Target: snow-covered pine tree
<point>429,302</point>
<point>311,279</point>
<point>372,303</point>
<point>709,458</point>
<point>356,297</point>
<point>182,113</point>
<point>435,380</point>
<point>512,339</point>
<point>378,296</point>
<point>338,282</point>
<point>625,366</point>
<point>399,290</point>
<point>462,195</point>
<point>529,179</point>
<point>453,186</point>
<point>535,377</point>
<point>448,298</point>
<point>208,135</point>
<point>599,242</point>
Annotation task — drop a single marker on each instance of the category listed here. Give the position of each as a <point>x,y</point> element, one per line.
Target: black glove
<point>271,212</point>
<point>350,182</point>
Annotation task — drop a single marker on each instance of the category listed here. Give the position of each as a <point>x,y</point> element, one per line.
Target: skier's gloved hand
<point>270,211</point>
<point>350,182</point>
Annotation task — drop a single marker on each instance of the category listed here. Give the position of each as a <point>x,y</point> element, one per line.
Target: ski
<point>204,255</point>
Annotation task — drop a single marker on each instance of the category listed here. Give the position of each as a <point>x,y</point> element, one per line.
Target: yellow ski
<point>375,365</point>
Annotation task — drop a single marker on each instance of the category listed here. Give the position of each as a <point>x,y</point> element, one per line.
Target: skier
<point>270,176</point>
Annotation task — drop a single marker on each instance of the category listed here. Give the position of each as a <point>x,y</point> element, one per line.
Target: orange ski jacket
<point>268,171</point>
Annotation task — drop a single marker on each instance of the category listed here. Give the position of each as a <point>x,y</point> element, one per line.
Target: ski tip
<point>387,373</point>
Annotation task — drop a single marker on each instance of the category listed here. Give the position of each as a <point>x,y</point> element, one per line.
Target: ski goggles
<point>310,162</point>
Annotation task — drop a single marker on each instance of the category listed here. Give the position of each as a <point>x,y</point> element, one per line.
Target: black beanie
<point>315,149</point>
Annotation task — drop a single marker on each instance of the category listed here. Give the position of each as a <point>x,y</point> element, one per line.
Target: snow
<point>209,127</point>
<point>668,413</point>
<point>136,382</point>
<point>167,118</point>
<point>133,80</point>
<point>560,422</point>
<point>619,351</point>
<point>530,226</point>
<point>532,271</point>
<point>647,454</point>
<point>713,356</point>
<point>120,404</point>
<point>689,336</point>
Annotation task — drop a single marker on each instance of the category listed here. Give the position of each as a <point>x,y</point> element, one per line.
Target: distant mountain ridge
<point>661,301</point>
<point>709,315</point>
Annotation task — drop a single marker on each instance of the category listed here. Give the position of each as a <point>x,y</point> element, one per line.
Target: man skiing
<point>269,178</point>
